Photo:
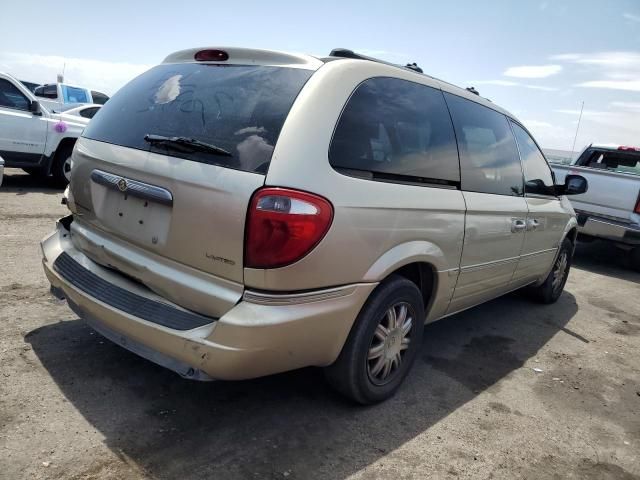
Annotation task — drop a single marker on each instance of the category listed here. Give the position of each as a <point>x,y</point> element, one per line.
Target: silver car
<point>237,213</point>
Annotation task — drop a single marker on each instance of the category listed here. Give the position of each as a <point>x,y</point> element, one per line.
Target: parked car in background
<point>330,208</point>
<point>85,111</point>
<point>31,136</point>
<point>30,85</point>
<point>57,95</point>
<point>610,210</point>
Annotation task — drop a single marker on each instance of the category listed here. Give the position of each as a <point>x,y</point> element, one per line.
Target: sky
<point>539,59</point>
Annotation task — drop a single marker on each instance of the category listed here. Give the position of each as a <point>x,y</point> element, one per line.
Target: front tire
<point>552,287</point>
<point>382,345</point>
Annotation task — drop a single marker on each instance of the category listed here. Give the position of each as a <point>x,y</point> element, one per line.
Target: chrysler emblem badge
<point>122,185</point>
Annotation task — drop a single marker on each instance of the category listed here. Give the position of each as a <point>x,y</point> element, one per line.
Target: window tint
<point>398,128</point>
<point>537,174</point>
<point>47,91</point>
<point>88,112</point>
<point>99,98</point>
<point>11,97</point>
<point>240,108</point>
<point>74,95</point>
<point>488,155</point>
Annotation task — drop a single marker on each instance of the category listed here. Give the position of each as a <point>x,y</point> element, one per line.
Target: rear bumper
<point>609,229</point>
<point>261,335</point>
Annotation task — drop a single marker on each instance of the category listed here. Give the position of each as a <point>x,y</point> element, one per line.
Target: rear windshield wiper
<point>189,143</point>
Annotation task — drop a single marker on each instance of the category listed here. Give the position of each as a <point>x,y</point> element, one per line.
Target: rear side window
<point>89,112</point>
<point>537,174</point>
<point>489,158</point>
<point>99,98</point>
<point>396,129</point>
<point>47,91</point>
<point>11,97</point>
<point>238,108</point>
<point>74,95</point>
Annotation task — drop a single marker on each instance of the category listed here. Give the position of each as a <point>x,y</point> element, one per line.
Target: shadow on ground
<point>20,182</point>
<point>604,258</point>
<point>174,428</point>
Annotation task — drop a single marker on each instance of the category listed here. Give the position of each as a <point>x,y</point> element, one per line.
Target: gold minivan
<point>237,213</point>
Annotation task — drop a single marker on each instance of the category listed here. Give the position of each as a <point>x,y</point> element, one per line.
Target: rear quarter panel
<point>377,226</point>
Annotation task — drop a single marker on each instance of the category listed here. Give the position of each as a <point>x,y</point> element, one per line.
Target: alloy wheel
<point>390,341</point>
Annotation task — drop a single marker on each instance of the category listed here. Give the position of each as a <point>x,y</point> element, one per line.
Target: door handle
<point>532,224</point>
<point>518,225</point>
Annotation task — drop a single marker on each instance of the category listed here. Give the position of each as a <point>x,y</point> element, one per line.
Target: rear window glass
<point>238,108</point>
<point>613,161</point>
<point>74,95</point>
<point>396,129</point>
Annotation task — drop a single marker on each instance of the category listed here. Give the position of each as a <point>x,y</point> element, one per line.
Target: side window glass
<point>11,97</point>
<point>47,91</point>
<point>537,174</point>
<point>396,130</point>
<point>88,112</point>
<point>489,160</point>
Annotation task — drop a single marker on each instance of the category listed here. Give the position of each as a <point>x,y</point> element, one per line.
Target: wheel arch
<point>424,264</point>
<point>64,145</point>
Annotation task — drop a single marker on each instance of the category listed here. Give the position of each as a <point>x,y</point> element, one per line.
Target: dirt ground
<point>73,405</point>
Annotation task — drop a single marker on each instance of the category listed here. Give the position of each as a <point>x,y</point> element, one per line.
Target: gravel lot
<point>73,405</point>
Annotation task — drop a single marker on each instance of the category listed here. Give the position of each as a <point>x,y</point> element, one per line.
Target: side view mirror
<point>34,107</point>
<point>573,185</point>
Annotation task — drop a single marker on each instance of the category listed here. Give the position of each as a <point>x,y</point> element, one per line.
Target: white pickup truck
<point>59,96</point>
<point>610,209</point>
<point>33,138</point>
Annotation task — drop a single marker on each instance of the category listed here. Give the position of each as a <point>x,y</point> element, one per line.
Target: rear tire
<point>382,345</point>
<point>61,168</point>
<point>552,287</point>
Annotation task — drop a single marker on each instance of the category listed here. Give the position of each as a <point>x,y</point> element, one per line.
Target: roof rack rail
<point>346,53</point>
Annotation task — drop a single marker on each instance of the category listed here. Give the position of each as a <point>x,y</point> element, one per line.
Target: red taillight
<point>283,225</point>
<point>637,207</point>
<point>629,149</point>
<point>211,56</point>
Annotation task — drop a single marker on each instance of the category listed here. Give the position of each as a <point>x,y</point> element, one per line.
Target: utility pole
<point>577,128</point>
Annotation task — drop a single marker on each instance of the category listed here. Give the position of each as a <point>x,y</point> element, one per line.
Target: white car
<point>32,137</point>
<point>85,111</point>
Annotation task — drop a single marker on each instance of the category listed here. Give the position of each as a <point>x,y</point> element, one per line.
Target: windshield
<point>237,108</point>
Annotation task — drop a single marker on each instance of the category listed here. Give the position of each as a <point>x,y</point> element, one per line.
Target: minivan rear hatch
<point>169,164</point>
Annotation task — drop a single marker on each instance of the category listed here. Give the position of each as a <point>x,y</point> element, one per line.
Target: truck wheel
<point>382,345</point>
<point>635,259</point>
<point>61,168</point>
<point>553,285</point>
